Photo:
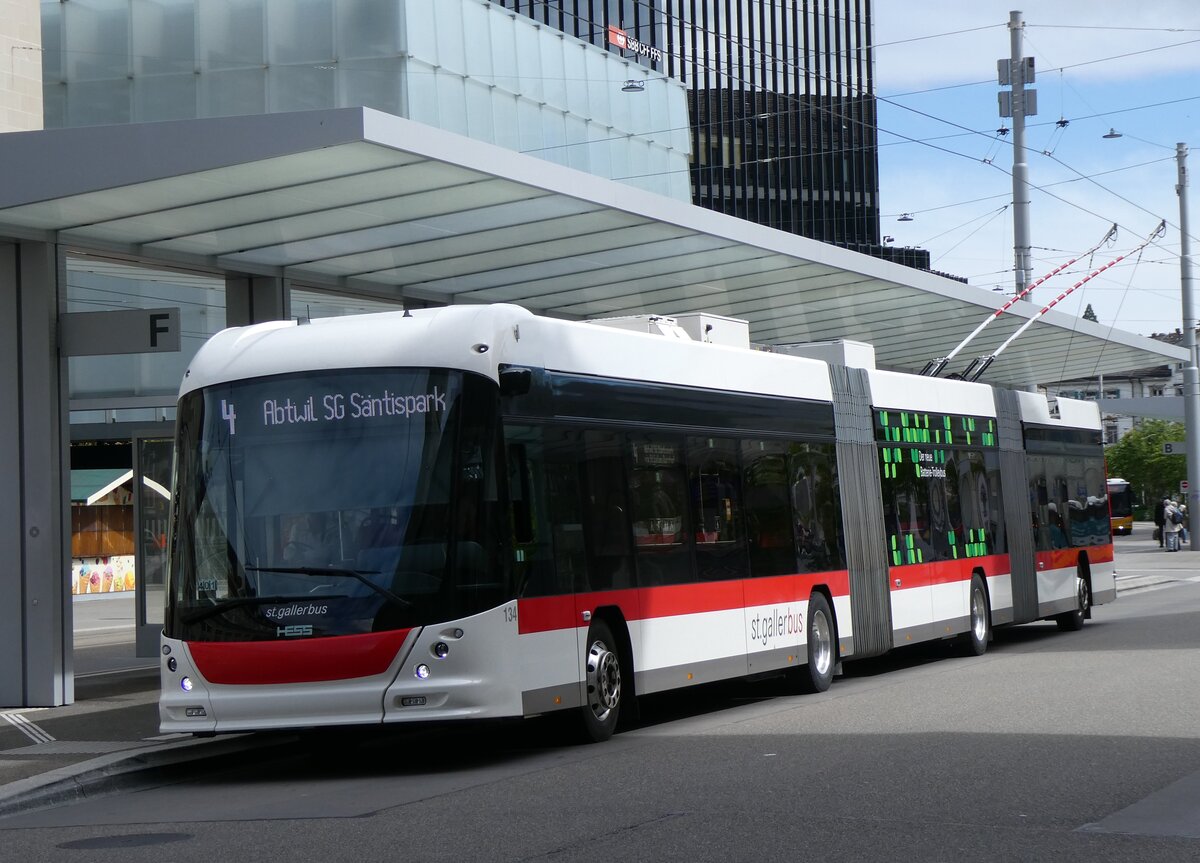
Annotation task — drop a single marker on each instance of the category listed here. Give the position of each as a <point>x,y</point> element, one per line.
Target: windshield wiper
<point>197,615</point>
<point>356,574</point>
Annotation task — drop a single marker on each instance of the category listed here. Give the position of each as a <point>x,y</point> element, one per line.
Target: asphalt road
<point>1052,746</point>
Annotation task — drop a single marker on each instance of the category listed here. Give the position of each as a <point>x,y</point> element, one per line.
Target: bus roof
<point>481,338</point>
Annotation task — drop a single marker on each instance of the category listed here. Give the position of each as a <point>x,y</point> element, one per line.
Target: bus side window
<point>661,522</point>
<point>715,488</point>
<point>955,530</point>
<point>905,508</point>
<point>544,503</point>
<point>769,523</point>
<point>991,501</point>
<point>1039,502</point>
<point>816,508</point>
<point>606,524</point>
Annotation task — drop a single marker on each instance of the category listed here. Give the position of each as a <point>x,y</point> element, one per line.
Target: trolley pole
<point>1191,371</point>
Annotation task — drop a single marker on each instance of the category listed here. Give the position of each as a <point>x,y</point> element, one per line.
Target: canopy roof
<point>88,485</point>
<point>361,201</point>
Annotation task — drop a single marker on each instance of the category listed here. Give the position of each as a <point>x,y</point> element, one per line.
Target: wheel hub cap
<point>603,680</point>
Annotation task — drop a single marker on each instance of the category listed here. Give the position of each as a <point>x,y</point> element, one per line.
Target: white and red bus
<point>474,512</point>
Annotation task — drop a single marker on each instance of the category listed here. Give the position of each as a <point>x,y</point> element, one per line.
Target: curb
<point>1131,583</point>
<point>118,770</point>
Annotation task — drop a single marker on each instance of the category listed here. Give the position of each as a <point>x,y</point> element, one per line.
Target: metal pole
<point>1020,172</point>
<point>1191,373</point>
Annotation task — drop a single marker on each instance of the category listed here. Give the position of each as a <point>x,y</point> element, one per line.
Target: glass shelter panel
<point>97,285</point>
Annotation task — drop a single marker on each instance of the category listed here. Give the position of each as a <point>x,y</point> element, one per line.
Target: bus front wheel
<point>602,676</point>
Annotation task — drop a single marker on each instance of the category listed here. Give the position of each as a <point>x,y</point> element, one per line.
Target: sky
<point>1101,65</point>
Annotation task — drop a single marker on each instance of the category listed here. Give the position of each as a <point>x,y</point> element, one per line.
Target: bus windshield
<point>333,503</point>
<point>1120,498</point>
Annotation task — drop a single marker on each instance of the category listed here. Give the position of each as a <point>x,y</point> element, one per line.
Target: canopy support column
<point>255,300</point>
<point>36,632</point>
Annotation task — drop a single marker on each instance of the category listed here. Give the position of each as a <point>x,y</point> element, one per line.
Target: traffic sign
<point>1174,448</point>
<point>1183,486</point>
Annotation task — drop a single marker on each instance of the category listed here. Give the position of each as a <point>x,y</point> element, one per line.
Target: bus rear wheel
<point>817,674</point>
<point>1072,621</point>
<point>602,676</point>
<point>975,639</point>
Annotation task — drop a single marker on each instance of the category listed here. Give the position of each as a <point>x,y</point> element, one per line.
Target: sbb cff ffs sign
<point>618,37</point>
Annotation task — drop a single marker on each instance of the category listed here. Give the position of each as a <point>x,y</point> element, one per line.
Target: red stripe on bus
<point>947,571</point>
<point>795,588</point>
<point>544,614</point>
<point>339,657</point>
<point>1066,558</point>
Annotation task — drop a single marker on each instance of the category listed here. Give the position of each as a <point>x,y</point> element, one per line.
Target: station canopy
<point>367,203</point>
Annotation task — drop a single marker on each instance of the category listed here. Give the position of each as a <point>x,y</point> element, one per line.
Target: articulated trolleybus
<point>473,512</point>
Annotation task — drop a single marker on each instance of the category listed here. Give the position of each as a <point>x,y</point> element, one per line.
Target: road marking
<point>29,729</point>
<point>1171,811</point>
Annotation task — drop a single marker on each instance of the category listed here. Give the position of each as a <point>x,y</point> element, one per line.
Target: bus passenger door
<point>548,559</point>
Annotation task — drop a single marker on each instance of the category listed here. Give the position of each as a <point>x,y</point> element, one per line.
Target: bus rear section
<point>1069,509</point>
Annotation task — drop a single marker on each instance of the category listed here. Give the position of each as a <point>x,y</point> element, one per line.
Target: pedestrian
<point>1159,520</point>
<point>1172,525</point>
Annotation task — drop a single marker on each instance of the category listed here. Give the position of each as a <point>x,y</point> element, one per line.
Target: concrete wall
<point>20,66</point>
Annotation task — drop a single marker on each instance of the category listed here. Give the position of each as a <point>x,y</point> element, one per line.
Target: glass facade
<point>783,112</point>
<point>781,102</point>
<point>98,285</point>
<point>467,66</point>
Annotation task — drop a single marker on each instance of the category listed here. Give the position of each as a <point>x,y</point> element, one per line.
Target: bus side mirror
<point>515,381</point>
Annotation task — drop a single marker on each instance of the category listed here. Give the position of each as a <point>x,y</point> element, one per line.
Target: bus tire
<point>817,674</point>
<point>1072,621</point>
<point>603,684</point>
<point>975,639</point>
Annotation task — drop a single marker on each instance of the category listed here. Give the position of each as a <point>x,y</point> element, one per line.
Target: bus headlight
<point>185,684</point>
<point>422,671</point>
<point>441,649</point>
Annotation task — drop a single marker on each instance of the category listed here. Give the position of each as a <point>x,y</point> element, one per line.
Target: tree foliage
<point>1138,458</point>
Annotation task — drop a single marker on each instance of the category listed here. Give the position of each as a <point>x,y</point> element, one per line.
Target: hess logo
<point>294,630</point>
